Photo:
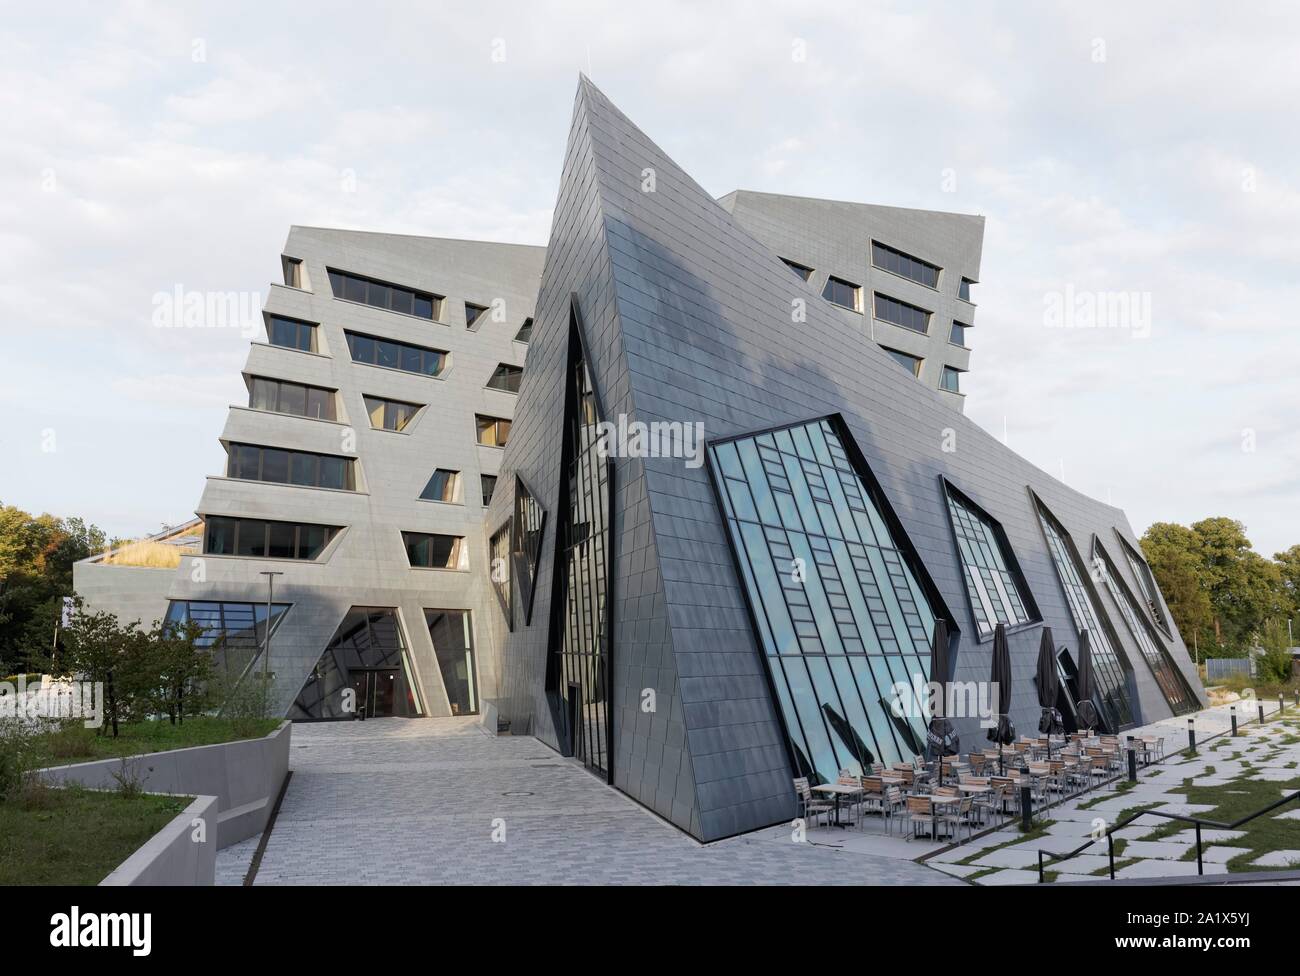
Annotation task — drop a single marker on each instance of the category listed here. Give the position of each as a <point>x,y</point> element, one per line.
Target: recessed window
<point>489,486</point>
<point>1147,582</point>
<point>902,313</point>
<point>957,335</point>
<point>472,313</point>
<point>997,590</point>
<point>258,538</point>
<point>444,486</point>
<point>391,354</point>
<point>499,556</point>
<point>529,523</point>
<point>492,431</point>
<point>843,293</point>
<point>802,271</point>
<point>431,551</point>
<point>963,289</point>
<point>281,396</point>
<point>250,462</point>
<point>389,414</point>
<point>506,378</point>
<point>897,262</point>
<point>379,294</point>
<point>291,333</point>
<point>295,273</point>
<point>909,362</point>
<point>525,331</point>
<point>950,380</point>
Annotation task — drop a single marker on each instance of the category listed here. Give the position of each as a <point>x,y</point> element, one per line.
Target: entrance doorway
<point>376,691</point>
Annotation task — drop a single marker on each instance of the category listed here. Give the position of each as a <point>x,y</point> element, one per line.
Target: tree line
<point>1225,597</point>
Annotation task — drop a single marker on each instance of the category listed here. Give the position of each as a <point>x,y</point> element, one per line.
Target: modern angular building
<point>658,494</point>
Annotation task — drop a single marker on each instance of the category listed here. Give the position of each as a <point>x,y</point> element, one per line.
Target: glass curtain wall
<point>843,620</point>
<point>582,675</point>
<point>1108,663</point>
<point>1171,683</point>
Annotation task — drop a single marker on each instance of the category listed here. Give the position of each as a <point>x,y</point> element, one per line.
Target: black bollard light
<point>1132,761</point>
<point>1191,734</point>
<point>1261,713</point>
<point>1233,710</point>
<point>1026,807</point>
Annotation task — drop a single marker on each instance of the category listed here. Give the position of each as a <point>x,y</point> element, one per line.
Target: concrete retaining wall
<point>182,853</point>
<point>244,776</point>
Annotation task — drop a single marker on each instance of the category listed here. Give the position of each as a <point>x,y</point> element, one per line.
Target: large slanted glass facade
<point>580,671</point>
<point>234,632</point>
<point>1172,684</point>
<point>1108,663</point>
<point>365,667</point>
<point>841,613</point>
<point>997,590</point>
<point>1142,573</point>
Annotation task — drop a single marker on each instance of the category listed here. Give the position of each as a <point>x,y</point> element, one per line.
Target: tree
<point>180,669</point>
<point>1171,552</point>
<point>1288,565</point>
<point>103,650</point>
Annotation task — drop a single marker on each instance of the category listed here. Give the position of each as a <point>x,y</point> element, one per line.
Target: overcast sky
<point>1142,149</point>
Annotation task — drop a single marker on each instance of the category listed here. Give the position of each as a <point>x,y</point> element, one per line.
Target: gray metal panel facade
<point>702,310</point>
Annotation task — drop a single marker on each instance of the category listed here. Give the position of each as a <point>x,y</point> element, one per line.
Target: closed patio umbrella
<point>1049,686</point>
<point>1087,710</point>
<point>1003,732</point>
<point>940,740</point>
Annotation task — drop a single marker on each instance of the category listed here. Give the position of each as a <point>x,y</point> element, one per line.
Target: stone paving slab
<point>1277,859</point>
<point>1157,869</point>
<point>1013,877</point>
<point>1159,849</point>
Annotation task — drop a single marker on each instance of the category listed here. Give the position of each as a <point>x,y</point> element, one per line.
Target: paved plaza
<point>1152,847</point>
<point>438,801</point>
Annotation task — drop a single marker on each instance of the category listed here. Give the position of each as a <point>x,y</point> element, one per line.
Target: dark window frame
<point>907,266</point>
<point>341,281</point>
<point>239,523</point>
<point>882,306</point>
<point>399,351</point>
<point>235,466</point>
<point>456,555</point>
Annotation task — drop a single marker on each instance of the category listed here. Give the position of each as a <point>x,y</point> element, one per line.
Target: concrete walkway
<point>439,801</point>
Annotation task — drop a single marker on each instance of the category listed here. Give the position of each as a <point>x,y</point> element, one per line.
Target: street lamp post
<point>266,649</point>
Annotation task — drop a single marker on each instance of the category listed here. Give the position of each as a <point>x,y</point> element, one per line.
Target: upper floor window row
<point>258,538</point>
<point>281,396</point>
<point>901,313</point>
<point>250,462</point>
<point>888,259</point>
<point>395,355</point>
<point>843,293</point>
<point>381,294</point>
<point>291,333</point>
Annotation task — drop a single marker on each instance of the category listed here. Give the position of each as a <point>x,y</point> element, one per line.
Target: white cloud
<point>1128,174</point>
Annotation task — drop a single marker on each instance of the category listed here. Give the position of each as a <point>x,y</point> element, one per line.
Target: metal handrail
<point>1199,822</point>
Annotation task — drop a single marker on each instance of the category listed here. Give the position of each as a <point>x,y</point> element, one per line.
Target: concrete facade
<point>685,312</point>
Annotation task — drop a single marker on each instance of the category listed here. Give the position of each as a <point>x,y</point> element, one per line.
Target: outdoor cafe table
<point>973,788</point>
<point>838,790</point>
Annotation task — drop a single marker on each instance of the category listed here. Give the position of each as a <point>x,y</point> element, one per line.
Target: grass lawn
<point>75,743</point>
<point>75,836</point>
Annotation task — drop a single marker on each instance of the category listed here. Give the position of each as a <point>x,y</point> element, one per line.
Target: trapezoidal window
<point>1108,664</point>
<point>842,610</point>
<point>1171,683</point>
<point>235,633</point>
<point>499,563</point>
<point>994,583</point>
<point>452,634</point>
<point>579,671</point>
<point>527,527</point>
<point>365,666</point>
